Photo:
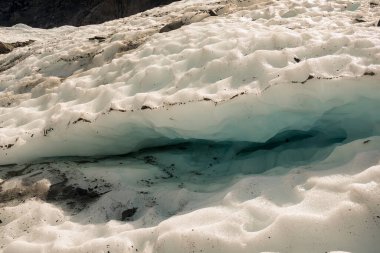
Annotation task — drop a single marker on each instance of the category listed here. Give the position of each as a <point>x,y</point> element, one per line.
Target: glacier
<point>201,126</point>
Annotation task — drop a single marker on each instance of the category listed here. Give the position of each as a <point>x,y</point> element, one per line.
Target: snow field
<point>265,118</point>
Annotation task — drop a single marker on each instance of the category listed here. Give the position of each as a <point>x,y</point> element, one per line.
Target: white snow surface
<point>66,81</point>
<point>261,125</point>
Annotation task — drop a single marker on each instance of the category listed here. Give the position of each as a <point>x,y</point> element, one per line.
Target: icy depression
<point>202,126</point>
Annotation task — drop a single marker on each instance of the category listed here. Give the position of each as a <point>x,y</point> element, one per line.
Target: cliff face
<point>52,13</point>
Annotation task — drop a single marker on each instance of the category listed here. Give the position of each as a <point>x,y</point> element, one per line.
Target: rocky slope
<point>53,13</point>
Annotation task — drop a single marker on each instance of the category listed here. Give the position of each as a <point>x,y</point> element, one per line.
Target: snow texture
<point>238,126</point>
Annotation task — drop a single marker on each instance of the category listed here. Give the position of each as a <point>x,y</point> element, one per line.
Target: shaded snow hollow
<point>239,126</point>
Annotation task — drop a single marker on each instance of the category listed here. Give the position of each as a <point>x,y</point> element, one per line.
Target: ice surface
<point>242,76</point>
<point>243,126</point>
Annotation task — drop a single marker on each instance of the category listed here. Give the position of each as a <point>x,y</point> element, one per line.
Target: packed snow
<point>201,126</point>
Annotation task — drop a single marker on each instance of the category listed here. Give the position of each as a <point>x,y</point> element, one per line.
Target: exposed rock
<point>8,47</point>
<point>70,12</point>
<point>22,43</point>
<point>127,214</point>
<point>359,20</point>
<point>212,13</point>
<point>172,26</point>
<point>98,38</point>
<point>373,4</point>
<point>5,48</point>
<point>187,19</point>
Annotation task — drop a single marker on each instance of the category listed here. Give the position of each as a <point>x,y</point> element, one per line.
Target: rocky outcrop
<point>52,13</point>
<point>8,47</point>
<point>5,48</point>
